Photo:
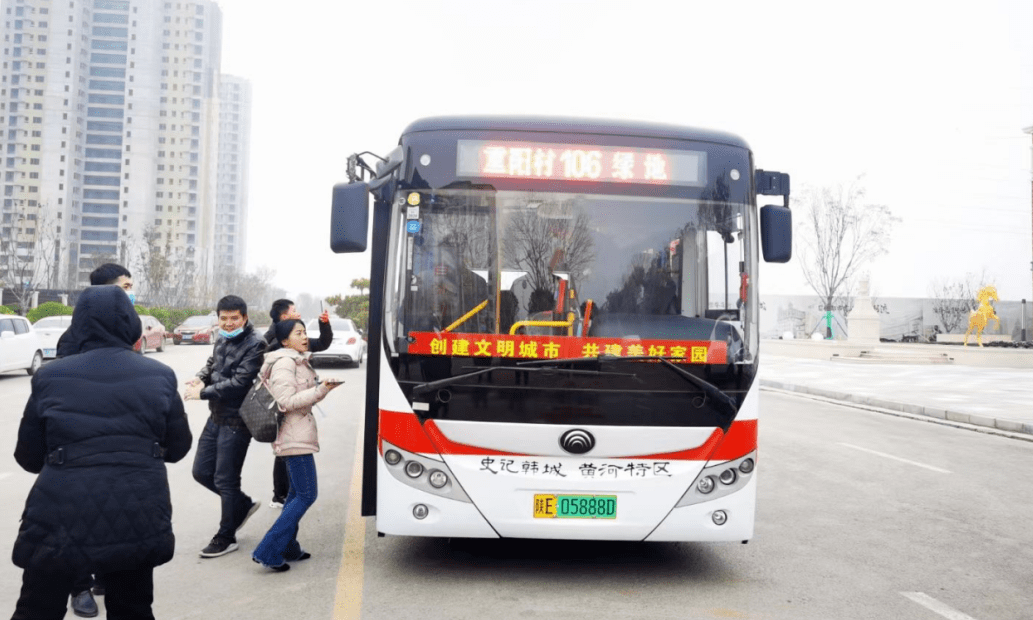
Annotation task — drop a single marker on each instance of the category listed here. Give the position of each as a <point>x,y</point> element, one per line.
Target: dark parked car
<point>154,334</point>
<point>198,329</point>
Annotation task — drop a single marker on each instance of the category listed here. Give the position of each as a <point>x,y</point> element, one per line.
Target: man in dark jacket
<point>98,428</point>
<point>108,273</point>
<point>284,309</point>
<point>224,382</point>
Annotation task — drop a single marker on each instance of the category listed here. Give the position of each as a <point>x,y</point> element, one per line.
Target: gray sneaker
<point>84,606</point>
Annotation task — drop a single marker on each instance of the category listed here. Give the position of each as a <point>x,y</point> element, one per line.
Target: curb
<point>929,412</point>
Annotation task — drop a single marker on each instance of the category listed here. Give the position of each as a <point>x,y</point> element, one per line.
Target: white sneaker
<point>275,504</point>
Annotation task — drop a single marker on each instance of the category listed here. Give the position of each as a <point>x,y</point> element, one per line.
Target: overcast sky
<point>927,100</point>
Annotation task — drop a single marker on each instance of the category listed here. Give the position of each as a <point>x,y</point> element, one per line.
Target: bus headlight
<point>409,468</point>
<point>414,469</point>
<point>438,479</point>
<point>733,475</point>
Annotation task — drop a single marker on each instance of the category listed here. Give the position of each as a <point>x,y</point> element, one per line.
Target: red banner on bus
<point>563,347</point>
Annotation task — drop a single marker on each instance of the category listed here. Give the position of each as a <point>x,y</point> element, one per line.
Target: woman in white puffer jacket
<point>294,385</point>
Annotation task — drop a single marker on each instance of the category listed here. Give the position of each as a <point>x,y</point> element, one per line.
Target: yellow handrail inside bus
<point>569,323</point>
<point>466,316</point>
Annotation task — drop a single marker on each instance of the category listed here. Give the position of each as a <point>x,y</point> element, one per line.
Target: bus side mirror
<point>776,233</point>
<point>349,218</point>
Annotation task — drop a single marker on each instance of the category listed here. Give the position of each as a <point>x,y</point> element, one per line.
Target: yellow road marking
<point>348,600</point>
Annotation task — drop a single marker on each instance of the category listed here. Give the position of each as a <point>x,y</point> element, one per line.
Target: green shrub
<point>6,310</point>
<point>50,308</point>
<point>170,317</point>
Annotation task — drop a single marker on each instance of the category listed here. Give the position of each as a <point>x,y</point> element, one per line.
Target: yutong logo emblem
<point>577,441</point>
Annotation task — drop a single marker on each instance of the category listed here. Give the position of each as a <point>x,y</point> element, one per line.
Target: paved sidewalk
<point>1000,398</point>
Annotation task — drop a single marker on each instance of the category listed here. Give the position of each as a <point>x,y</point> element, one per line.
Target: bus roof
<point>561,124</point>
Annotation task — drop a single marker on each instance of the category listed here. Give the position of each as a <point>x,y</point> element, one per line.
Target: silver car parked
<point>348,345</point>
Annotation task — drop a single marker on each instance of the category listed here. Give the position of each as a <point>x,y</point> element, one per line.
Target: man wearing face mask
<point>224,382</point>
<point>106,274</point>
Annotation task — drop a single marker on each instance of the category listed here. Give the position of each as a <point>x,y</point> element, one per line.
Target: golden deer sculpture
<point>981,316</point>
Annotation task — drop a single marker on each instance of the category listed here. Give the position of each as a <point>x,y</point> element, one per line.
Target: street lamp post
<point>1022,336</point>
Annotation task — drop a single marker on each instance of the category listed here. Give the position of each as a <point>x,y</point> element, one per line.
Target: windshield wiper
<point>440,383</point>
<point>712,391</point>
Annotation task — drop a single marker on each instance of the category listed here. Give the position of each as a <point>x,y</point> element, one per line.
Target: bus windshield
<point>585,267</point>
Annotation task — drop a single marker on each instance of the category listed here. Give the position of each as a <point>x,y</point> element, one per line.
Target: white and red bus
<point>563,337</point>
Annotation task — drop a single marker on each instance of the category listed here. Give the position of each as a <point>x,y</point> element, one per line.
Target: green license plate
<point>575,506</point>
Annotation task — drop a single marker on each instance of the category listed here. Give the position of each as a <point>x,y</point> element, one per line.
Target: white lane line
<point>936,606</point>
<point>895,458</point>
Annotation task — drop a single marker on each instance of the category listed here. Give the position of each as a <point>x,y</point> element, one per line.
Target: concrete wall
<point>912,317</point>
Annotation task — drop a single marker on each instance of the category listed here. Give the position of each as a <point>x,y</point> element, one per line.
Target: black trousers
<point>82,583</point>
<point>44,596</point>
<point>281,482</point>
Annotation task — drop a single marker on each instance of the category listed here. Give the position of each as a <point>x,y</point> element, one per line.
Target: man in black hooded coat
<point>98,428</point>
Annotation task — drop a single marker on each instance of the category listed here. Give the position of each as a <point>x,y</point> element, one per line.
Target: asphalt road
<point>860,515</point>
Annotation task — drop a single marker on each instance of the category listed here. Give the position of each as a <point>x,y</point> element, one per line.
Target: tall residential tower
<point>234,160</point>
<point>110,134</point>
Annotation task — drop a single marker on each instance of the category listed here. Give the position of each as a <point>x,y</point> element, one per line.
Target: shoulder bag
<point>259,411</point>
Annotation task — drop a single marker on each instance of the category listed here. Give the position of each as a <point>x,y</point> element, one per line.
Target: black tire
<point>161,345</point>
<point>37,363</point>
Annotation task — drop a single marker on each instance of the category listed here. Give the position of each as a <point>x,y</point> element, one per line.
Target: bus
<point>563,328</point>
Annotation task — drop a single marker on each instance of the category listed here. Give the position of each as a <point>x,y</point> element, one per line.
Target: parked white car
<point>19,345</point>
<point>49,329</point>
<point>348,345</point>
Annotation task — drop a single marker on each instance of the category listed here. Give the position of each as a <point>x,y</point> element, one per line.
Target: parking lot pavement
<point>978,394</point>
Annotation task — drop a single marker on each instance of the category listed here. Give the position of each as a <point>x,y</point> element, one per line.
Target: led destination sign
<point>580,162</point>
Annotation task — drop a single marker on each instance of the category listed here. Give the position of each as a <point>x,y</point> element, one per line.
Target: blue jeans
<point>281,541</point>
<point>217,464</point>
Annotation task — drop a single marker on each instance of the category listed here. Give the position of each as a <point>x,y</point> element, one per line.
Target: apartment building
<point>234,162</point>
<point>110,135</point>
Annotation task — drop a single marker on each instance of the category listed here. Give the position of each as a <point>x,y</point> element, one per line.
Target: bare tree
<point>166,275</point>
<point>841,233</point>
<point>132,252</point>
<point>544,241</point>
<point>955,298</point>
<point>28,249</point>
<point>255,288</point>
